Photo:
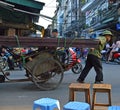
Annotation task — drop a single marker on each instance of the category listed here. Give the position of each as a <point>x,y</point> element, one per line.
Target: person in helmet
<point>94,59</point>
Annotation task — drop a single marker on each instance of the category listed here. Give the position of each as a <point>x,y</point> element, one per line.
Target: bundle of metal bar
<point>47,42</point>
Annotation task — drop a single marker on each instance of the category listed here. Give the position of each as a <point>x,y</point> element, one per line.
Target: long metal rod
<point>48,42</point>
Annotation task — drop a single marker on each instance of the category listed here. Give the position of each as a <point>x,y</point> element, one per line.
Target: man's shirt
<point>97,51</point>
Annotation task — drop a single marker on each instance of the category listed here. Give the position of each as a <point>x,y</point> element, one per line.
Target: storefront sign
<point>118,26</point>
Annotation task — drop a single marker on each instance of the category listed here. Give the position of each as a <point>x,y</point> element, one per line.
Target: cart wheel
<point>47,74</point>
<point>76,69</point>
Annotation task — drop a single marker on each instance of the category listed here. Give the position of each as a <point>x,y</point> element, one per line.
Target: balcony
<point>109,15</point>
<point>104,16</point>
<point>107,18</point>
<point>87,5</point>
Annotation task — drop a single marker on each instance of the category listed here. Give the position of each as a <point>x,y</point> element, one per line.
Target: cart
<point>43,66</point>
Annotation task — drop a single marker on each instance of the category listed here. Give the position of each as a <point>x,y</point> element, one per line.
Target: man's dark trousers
<point>92,61</point>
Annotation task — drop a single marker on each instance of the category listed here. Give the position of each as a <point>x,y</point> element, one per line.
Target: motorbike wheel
<point>118,60</point>
<point>3,64</point>
<point>76,69</point>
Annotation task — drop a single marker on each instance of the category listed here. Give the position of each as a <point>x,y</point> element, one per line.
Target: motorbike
<point>74,62</point>
<point>115,57</point>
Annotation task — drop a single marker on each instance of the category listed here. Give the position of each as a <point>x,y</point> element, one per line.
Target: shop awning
<point>11,18</point>
<point>8,14</point>
<point>27,3</point>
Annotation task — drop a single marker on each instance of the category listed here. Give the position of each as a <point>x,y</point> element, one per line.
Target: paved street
<point>20,96</point>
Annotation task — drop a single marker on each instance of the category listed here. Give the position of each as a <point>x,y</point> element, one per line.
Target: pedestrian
<point>106,51</point>
<point>115,49</point>
<point>6,54</point>
<point>60,50</point>
<point>94,59</point>
<point>55,33</point>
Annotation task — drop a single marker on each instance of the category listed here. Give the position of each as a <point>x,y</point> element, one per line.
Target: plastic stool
<point>73,105</point>
<point>114,108</point>
<point>46,104</point>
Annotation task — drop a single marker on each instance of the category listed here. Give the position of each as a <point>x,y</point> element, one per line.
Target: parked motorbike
<point>74,62</point>
<point>115,58</point>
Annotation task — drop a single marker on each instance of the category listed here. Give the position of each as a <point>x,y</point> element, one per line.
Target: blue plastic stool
<point>73,105</point>
<point>114,108</point>
<point>46,104</point>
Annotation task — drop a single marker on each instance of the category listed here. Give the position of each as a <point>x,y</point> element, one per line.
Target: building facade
<point>101,14</point>
<point>69,15</point>
<point>86,16</point>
